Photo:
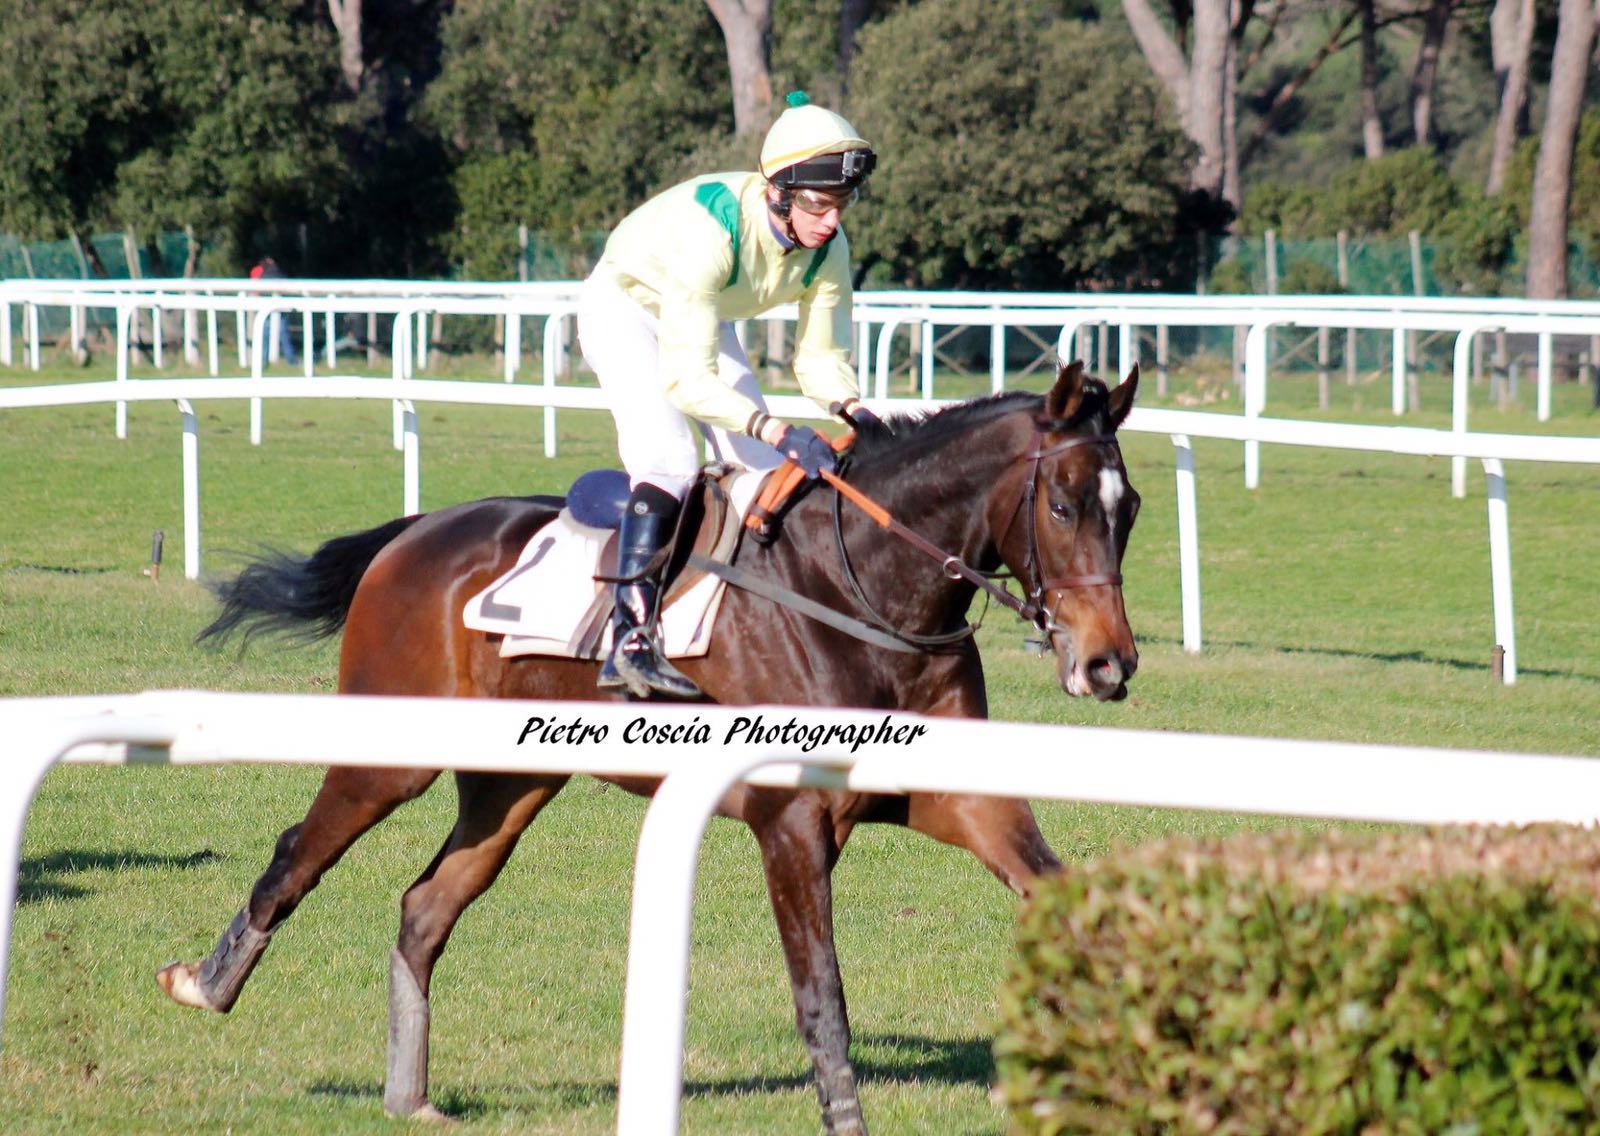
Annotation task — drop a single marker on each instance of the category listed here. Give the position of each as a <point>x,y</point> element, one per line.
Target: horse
<point>1031,482</point>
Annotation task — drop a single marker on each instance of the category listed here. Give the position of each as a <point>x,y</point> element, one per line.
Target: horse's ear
<point>1063,399</point>
<point>1121,398</point>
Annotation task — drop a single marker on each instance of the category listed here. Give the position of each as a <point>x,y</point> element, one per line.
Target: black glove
<point>807,449</point>
<point>863,419</point>
<point>855,413</point>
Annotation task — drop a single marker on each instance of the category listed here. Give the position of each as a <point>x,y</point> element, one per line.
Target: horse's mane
<point>906,437</point>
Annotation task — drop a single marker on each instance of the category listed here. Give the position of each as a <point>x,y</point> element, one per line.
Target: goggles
<point>817,201</point>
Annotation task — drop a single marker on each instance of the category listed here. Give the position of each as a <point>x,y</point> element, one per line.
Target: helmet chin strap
<point>783,210</point>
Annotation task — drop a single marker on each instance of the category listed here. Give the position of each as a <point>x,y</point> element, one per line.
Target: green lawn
<point>1347,598</point>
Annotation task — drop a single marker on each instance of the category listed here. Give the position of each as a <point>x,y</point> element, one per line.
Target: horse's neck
<point>952,498</point>
<point>954,495</point>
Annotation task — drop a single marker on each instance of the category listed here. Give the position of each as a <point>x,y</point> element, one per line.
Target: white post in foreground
<point>191,491</point>
<point>1505,629</point>
<point>1188,543</point>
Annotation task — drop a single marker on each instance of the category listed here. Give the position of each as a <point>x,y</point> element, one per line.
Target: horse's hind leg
<point>798,851</point>
<point>349,803</point>
<point>493,812</point>
<point>1000,831</point>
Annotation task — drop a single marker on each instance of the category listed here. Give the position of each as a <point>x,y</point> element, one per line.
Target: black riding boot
<point>636,661</point>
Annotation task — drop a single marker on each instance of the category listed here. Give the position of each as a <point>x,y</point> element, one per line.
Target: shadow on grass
<point>1523,670</point>
<point>40,877</point>
<point>968,1061</point>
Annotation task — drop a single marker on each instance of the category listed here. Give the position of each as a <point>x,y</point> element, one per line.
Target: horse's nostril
<point>1104,672</point>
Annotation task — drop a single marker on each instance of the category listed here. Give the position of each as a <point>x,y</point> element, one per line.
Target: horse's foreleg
<point>999,831</point>
<point>493,812</point>
<point>349,803</point>
<point>798,851</point>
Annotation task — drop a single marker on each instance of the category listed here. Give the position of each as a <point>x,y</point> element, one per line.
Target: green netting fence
<point>1380,266</point>
<point>104,256</point>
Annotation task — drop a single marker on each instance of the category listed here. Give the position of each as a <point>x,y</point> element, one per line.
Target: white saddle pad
<point>540,604</point>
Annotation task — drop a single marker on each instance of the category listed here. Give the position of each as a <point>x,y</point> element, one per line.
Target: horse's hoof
<point>180,984</point>
<point>424,1113</point>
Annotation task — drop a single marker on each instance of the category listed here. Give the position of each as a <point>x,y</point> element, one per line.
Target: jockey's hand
<point>807,449</point>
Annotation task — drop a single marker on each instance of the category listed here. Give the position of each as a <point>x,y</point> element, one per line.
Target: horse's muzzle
<point>1103,676</point>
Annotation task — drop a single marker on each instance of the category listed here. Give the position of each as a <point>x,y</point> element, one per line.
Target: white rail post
<point>997,355</point>
<point>212,354</point>
<point>927,354</point>
<point>260,343</point>
<point>650,1082</point>
<point>1505,630</point>
<point>552,352</point>
<point>1461,374</point>
<point>31,749</point>
<point>410,463</point>
<point>1188,543</point>
<point>1066,341</point>
<point>124,322</point>
<point>1127,348</point>
<point>191,490</point>
<point>880,382</point>
<point>243,338</point>
<point>1397,392</point>
<point>33,335</point>
<point>399,366</point>
<point>330,329</point>
<point>1546,362</point>
<point>513,345</point>
<point>5,333</point>
<point>1255,394</point>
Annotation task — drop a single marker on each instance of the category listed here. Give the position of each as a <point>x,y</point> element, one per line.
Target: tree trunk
<point>346,16</point>
<point>1552,177</point>
<point>747,30</point>
<point>1371,121</point>
<point>1426,74</point>
<point>1511,43</point>
<point>1197,85</point>
<point>852,14</point>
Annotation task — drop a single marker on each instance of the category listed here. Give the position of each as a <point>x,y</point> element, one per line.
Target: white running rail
<point>1268,776</point>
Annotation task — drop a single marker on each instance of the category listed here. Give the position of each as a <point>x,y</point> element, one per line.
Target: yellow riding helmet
<point>813,148</point>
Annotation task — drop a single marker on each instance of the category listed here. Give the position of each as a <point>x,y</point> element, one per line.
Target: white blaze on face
<point>1111,488</point>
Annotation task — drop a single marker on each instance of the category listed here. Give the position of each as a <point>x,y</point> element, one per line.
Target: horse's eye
<point>1060,510</point>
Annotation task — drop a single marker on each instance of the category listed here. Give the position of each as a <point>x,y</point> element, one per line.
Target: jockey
<point>655,322</point>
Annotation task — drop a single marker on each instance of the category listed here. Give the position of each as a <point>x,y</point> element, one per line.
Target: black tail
<point>303,597</point>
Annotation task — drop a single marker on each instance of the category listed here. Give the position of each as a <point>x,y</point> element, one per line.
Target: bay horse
<point>1032,483</point>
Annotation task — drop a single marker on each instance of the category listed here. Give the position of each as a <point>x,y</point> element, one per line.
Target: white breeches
<point>658,443</point>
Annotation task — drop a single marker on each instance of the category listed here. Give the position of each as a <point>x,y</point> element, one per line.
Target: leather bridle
<point>1033,609</point>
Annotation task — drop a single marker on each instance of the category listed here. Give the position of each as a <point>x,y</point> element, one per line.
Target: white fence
<point>1269,776</point>
<point>1491,449</point>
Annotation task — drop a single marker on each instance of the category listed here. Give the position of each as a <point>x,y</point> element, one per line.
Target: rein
<point>1032,610</point>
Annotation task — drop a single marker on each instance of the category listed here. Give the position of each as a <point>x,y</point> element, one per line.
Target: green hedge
<point>1445,981</point>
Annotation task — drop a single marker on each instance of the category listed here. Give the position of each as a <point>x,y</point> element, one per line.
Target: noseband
<point>1033,609</point>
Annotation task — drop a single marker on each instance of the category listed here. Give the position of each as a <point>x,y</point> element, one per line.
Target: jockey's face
<point>814,215</point>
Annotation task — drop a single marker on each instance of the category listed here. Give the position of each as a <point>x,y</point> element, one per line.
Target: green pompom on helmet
<point>810,147</point>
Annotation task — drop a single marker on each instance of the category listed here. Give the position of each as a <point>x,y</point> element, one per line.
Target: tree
<point>747,29</point>
<point>626,90</point>
<point>1201,85</point>
<point>1552,179</point>
<point>210,113</point>
<point>346,17</point>
<point>1511,45</point>
<point>1371,120</point>
<point>1425,75</point>
<point>1007,161</point>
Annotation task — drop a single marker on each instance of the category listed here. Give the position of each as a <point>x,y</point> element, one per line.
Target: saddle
<point>707,527</point>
